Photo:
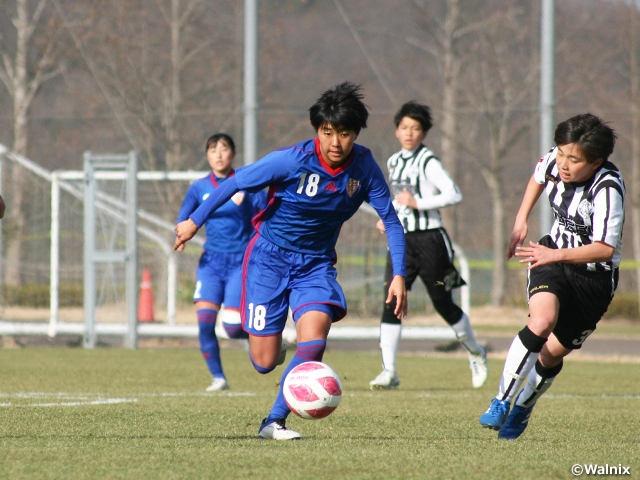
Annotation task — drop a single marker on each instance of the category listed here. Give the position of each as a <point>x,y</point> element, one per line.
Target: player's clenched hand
<point>397,289</point>
<point>407,199</point>
<point>518,235</point>
<point>184,232</point>
<point>380,226</point>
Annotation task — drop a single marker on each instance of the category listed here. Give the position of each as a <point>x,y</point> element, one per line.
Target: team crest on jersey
<point>352,186</point>
<point>585,209</point>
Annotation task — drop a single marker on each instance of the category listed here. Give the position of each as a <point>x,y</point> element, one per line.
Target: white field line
<point>106,401</point>
<point>471,395</point>
<point>61,399</point>
<point>100,395</point>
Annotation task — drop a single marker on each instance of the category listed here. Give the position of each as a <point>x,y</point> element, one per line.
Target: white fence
<point>158,231</point>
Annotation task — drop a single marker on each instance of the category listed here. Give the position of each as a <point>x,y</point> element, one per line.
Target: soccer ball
<point>312,390</point>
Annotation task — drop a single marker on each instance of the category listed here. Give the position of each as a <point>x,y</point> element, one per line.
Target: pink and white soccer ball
<point>312,390</point>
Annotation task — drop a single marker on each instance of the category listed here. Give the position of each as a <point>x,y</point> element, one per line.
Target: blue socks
<point>232,323</point>
<point>234,330</point>
<point>305,352</point>
<point>209,342</point>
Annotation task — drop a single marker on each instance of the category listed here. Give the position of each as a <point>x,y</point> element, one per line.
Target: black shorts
<point>584,297</point>
<point>430,257</point>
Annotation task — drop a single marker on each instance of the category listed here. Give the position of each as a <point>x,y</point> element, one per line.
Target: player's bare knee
<point>542,325</point>
<point>260,361</point>
<point>549,360</point>
<point>263,360</point>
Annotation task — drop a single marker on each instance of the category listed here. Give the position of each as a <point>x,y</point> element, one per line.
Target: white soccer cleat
<point>277,430</point>
<point>385,381</point>
<point>289,335</point>
<point>478,366</point>
<point>217,385</point>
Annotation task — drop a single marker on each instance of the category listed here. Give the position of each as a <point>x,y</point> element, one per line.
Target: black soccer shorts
<point>584,298</point>
<point>430,257</point>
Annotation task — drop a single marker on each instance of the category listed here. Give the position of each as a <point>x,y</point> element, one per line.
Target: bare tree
<point>602,76</point>
<point>161,65</point>
<point>29,59</point>
<point>500,91</point>
<point>634,82</point>
<point>444,40</point>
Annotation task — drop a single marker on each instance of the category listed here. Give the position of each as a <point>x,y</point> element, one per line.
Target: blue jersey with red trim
<point>308,201</point>
<point>229,228</point>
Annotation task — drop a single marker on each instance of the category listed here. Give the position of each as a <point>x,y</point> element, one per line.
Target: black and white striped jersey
<point>422,174</point>
<point>585,212</point>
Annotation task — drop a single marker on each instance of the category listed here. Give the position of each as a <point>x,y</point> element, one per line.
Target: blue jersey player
<point>314,187</point>
<point>219,274</point>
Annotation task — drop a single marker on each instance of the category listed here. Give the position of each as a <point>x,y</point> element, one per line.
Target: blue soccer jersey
<point>229,228</point>
<point>308,200</point>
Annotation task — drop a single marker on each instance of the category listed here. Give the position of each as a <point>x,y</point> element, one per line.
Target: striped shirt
<point>585,212</point>
<point>422,174</point>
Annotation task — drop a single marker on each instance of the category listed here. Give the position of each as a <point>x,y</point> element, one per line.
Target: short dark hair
<point>593,136</point>
<point>416,111</point>
<point>340,106</point>
<point>213,139</point>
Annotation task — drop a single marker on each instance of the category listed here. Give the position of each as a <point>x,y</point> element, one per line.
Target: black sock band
<point>531,341</point>
<point>545,372</point>
<point>387,314</point>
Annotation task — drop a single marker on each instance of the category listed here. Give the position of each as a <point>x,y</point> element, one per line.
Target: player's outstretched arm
<point>184,232</point>
<point>214,201</point>
<point>520,228</point>
<point>398,290</point>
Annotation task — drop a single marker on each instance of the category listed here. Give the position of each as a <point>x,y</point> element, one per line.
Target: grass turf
<point>114,413</point>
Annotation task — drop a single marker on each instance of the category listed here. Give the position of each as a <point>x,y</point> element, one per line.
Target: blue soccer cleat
<point>495,416</point>
<point>516,422</point>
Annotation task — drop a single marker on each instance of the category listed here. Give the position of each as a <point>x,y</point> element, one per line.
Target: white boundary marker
<point>45,399</point>
<point>59,399</point>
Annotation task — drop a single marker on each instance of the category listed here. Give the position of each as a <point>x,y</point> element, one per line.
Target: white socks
<point>538,382</point>
<point>517,366</point>
<point>389,339</point>
<point>465,335</point>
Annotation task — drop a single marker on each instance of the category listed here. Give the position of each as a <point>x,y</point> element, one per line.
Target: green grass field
<point>115,413</point>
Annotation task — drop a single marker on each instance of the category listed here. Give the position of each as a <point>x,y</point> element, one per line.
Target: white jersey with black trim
<point>585,212</point>
<point>422,174</point>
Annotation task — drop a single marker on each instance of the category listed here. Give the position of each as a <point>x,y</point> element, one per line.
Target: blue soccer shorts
<point>219,279</point>
<point>276,279</point>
